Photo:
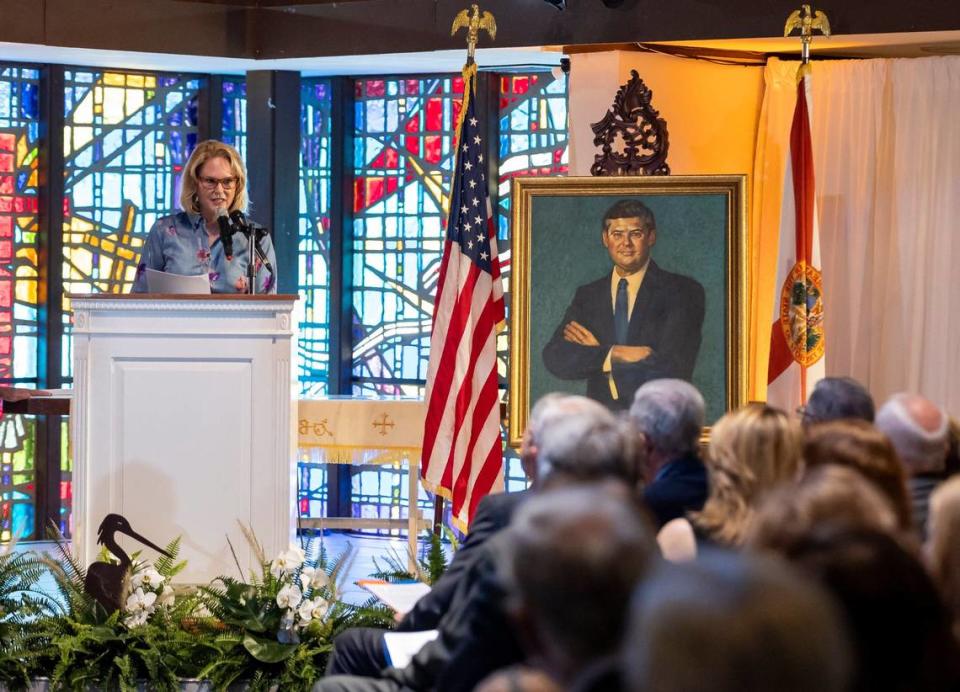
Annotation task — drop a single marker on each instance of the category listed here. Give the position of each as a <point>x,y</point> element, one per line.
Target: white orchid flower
<point>140,601</point>
<point>289,596</point>
<point>148,578</point>
<point>296,555</point>
<point>313,609</point>
<point>312,578</point>
<point>287,561</point>
<point>137,619</point>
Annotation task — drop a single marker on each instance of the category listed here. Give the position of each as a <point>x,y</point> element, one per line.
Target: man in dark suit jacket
<point>637,324</point>
<point>670,414</point>
<point>582,443</point>
<point>360,651</point>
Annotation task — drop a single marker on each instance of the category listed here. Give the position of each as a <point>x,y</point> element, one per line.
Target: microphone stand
<point>251,260</point>
<point>254,234</point>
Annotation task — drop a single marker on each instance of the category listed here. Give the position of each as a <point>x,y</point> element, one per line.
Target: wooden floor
<point>364,549</point>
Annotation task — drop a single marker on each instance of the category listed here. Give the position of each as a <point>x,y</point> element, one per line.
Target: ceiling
<point>351,65</point>
<point>899,45</point>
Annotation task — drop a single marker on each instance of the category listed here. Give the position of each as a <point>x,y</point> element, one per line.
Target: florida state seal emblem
<point>801,313</point>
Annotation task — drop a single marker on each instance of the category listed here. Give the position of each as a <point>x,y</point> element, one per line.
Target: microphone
<point>226,232</point>
<point>255,233</point>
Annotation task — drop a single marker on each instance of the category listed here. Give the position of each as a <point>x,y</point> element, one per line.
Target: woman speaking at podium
<point>210,237</point>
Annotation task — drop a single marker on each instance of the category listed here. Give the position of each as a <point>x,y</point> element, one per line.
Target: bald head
<point>919,431</point>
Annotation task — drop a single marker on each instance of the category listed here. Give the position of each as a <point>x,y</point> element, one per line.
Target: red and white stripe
<point>789,382</point>
<point>462,450</point>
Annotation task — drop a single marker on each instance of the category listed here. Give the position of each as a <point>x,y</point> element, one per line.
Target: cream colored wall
<point>711,110</point>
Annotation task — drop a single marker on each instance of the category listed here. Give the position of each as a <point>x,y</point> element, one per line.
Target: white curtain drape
<point>886,137</point>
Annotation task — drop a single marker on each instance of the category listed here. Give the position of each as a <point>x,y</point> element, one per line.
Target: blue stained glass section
<point>234,114</point>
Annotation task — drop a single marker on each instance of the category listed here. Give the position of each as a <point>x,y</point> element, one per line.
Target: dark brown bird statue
<point>105,579</point>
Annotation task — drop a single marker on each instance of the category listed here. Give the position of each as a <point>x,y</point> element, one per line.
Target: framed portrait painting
<point>621,280</point>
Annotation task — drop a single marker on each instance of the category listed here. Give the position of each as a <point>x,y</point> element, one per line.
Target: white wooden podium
<point>184,422</point>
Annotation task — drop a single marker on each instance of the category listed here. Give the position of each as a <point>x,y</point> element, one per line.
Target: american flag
<point>462,449</point>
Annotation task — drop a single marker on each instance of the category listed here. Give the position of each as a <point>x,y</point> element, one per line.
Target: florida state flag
<point>797,338</point>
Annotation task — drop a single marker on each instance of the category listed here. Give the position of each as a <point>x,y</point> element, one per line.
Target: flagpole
<point>474,21</point>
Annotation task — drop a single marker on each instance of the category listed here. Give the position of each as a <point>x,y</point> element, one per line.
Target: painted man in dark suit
<point>636,324</point>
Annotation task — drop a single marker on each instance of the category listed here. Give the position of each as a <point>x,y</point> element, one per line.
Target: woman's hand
<point>241,285</point>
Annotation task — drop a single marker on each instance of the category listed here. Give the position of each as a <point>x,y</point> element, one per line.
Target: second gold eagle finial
<point>807,21</point>
<point>473,20</point>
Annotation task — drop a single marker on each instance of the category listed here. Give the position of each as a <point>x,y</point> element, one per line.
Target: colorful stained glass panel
<point>19,151</point>
<point>404,163</point>
<point>313,345</point>
<point>126,139</point>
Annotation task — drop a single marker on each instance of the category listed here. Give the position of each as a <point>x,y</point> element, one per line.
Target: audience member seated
<point>943,545</point>
<point>751,451</point>
<point>583,444</point>
<point>573,558</point>
<point>832,495</point>
<point>734,623</point>
<point>837,398</point>
<point>860,446</point>
<point>898,625</point>
<point>919,431</point>
<point>360,650</point>
<point>669,413</point>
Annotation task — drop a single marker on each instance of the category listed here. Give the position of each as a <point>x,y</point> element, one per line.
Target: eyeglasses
<point>209,183</point>
<point>634,235</point>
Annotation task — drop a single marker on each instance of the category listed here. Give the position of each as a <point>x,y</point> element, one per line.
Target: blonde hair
<point>943,543</point>
<point>751,451</point>
<point>203,153</point>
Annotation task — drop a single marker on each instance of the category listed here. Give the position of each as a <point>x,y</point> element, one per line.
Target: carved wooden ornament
<point>632,135</point>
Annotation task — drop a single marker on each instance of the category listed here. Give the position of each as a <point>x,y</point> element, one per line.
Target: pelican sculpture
<point>105,579</point>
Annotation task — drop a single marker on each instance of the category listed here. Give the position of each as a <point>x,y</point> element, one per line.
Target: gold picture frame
<point>556,246</point>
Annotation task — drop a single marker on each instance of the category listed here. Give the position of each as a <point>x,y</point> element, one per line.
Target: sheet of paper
<point>165,282</point>
<point>403,646</point>
<point>399,597</point>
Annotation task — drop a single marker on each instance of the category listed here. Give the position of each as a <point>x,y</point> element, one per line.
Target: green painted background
<point>566,252</point>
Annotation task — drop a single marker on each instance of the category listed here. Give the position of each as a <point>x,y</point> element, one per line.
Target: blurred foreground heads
<point>575,556</point>
<point>732,623</point>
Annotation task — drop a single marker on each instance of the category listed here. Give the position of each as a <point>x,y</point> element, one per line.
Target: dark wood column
<point>211,108</point>
<point>273,164</point>
<point>50,298</point>
<point>342,166</point>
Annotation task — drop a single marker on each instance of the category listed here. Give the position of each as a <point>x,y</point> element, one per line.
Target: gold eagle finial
<point>807,21</point>
<point>473,20</point>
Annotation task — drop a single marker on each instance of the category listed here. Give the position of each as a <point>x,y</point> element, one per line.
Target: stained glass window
<point>19,149</point>
<point>233,121</point>
<point>313,343</point>
<point>126,137</point>
<point>313,359</point>
<point>404,157</point>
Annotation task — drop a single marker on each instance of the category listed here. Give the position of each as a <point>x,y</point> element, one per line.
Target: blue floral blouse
<point>178,244</point>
